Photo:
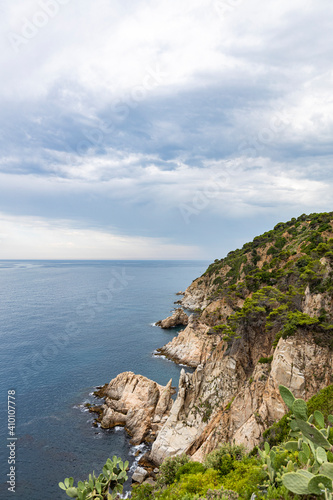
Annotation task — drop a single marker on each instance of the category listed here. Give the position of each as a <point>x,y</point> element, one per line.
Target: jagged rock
<point>231,395</point>
<point>179,317</point>
<point>135,402</point>
<point>177,433</point>
<point>192,346</point>
<point>139,475</point>
<point>150,481</point>
<point>218,403</point>
<point>313,303</point>
<point>195,297</point>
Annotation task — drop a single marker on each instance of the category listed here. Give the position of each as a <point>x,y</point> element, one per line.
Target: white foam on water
<point>142,449</point>
<point>157,355</point>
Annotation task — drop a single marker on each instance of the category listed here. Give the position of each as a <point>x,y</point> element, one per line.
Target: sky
<point>170,129</point>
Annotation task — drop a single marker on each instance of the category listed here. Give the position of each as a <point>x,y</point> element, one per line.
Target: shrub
<point>222,459</point>
<point>199,483</point>
<point>170,467</point>
<point>220,494</point>
<point>277,493</point>
<point>265,360</point>
<point>278,432</point>
<point>245,478</point>
<point>190,468</point>
<point>143,492</point>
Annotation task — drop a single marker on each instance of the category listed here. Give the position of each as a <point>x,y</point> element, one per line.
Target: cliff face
<point>263,317</point>
<point>137,403</point>
<point>192,346</point>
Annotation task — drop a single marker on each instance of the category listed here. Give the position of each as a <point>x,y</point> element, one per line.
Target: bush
<point>190,468</point>
<point>190,486</point>
<point>220,494</point>
<point>199,483</point>
<point>245,478</point>
<point>277,493</point>
<point>170,467</point>
<point>278,432</point>
<point>143,492</point>
<point>222,459</point>
<point>265,360</point>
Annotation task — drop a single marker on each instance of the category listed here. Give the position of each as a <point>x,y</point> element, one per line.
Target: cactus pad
<point>295,482</point>
<point>287,396</point>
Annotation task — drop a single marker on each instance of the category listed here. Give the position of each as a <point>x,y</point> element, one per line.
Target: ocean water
<point>67,327</point>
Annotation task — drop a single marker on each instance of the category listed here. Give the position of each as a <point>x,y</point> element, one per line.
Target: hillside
<point>262,316</point>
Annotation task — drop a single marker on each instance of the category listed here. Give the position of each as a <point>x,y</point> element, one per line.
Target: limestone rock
<point>139,475</point>
<point>179,317</point>
<point>177,433</point>
<point>136,402</point>
<point>233,397</point>
<point>192,346</point>
<point>194,298</point>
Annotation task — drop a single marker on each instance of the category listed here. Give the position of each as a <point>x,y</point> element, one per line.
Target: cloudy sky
<point>173,129</point>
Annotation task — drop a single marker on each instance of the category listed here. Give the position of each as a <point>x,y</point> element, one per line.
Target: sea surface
<point>67,327</point>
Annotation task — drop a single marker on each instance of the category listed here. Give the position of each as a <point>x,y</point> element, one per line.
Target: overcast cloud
<point>170,129</point>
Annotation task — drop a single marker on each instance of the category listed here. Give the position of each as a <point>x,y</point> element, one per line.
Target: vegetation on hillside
<point>296,461</point>
<point>299,464</point>
<point>265,283</point>
<point>270,277</point>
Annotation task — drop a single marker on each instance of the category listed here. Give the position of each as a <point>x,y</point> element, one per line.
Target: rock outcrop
<point>220,402</point>
<point>139,475</point>
<point>179,317</point>
<point>137,403</point>
<point>195,297</point>
<point>263,317</point>
<point>192,346</point>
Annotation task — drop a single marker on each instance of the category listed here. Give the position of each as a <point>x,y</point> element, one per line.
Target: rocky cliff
<point>264,317</point>
<point>137,403</point>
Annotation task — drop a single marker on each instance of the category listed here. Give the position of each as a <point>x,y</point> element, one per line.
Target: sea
<point>66,328</point>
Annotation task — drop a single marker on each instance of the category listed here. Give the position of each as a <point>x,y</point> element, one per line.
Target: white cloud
<point>140,107</point>
<point>37,238</point>
<point>239,186</point>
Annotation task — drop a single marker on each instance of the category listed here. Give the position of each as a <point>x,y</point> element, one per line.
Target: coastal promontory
<point>262,317</point>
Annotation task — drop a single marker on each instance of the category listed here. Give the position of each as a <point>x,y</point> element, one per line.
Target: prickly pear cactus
<point>287,396</point>
<point>113,477</point>
<point>314,450</point>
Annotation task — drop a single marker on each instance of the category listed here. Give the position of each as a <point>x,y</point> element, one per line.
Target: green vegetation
<point>296,461</point>
<point>272,274</point>
<point>264,360</point>
<point>309,237</point>
<point>113,477</point>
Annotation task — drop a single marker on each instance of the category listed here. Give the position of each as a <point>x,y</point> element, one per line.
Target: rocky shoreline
<point>219,401</point>
<point>233,394</point>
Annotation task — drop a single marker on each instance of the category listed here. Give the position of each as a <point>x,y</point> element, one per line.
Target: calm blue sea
<point>67,327</point>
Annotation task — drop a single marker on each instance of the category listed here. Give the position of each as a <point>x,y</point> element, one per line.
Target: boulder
<point>179,317</point>
<point>139,475</point>
<point>137,403</point>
